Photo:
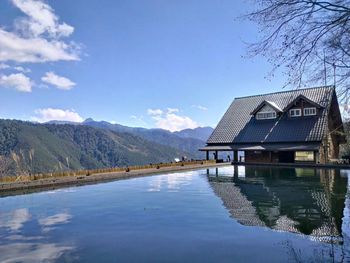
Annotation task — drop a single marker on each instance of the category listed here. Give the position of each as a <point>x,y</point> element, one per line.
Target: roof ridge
<point>285,91</point>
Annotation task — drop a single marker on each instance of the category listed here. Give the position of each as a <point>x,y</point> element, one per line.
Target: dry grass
<point>28,178</point>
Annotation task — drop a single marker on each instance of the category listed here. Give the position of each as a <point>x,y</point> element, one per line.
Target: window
<point>266,115</point>
<point>309,111</point>
<point>295,112</point>
<point>304,156</point>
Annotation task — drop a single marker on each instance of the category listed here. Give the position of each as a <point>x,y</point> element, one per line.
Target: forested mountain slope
<point>26,147</point>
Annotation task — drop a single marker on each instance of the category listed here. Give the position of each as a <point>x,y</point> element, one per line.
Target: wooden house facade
<point>302,125</point>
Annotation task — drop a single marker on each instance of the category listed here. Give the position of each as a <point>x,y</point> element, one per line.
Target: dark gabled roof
<point>266,102</point>
<point>238,126</point>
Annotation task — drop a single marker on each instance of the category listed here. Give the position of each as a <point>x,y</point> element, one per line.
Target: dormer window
<point>302,106</point>
<point>295,113</point>
<point>310,111</point>
<point>266,115</point>
<point>266,110</point>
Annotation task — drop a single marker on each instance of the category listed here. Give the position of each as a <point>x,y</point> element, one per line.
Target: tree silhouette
<point>308,40</point>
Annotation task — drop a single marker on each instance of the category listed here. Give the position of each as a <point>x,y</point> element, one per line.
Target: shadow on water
<point>311,202</point>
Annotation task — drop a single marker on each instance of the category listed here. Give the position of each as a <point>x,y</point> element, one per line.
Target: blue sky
<point>153,63</point>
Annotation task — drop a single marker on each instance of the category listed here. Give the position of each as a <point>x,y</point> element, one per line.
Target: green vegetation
<point>189,140</point>
<point>28,148</point>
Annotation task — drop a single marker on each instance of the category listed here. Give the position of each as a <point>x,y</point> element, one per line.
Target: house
<point>301,125</point>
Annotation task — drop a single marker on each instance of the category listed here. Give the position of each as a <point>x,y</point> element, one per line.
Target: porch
<point>266,153</point>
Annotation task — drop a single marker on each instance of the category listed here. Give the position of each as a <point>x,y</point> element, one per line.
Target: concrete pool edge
<point>18,188</point>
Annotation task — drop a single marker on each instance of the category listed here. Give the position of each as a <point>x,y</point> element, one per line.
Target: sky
<point>171,64</point>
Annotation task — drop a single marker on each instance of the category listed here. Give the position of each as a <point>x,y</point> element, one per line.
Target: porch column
<point>316,157</point>
<point>235,156</point>
<point>207,155</point>
<point>216,155</point>
<point>235,172</point>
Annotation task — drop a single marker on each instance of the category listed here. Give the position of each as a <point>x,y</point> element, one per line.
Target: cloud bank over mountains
<point>171,120</point>
<point>50,114</point>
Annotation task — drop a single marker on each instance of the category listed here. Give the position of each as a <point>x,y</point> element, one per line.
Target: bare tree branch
<point>305,37</point>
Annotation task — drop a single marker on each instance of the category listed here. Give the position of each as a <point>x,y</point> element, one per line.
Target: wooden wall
<point>257,156</point>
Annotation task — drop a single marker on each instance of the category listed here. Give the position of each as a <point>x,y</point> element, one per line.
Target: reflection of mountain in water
<point>306,201</point>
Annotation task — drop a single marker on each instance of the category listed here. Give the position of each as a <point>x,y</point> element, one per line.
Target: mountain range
<point>27,147</point>
<point>189,140</point>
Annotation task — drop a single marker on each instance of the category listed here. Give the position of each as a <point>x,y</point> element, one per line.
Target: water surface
<point>247,214</point>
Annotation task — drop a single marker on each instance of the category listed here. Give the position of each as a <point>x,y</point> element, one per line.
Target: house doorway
<point>286,157</point>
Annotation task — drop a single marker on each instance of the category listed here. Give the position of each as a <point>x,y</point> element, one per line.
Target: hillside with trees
<point>188,140</point>
<point>27,147</point>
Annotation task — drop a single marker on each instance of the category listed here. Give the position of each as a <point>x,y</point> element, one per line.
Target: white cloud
<point>16,81</point>
<point>4,66</point>
<point>50,114</point>
<point>172,110</point>
<point>16,68</point>
<point>22,69</point>
<point>154,112</point>
<point>200,107</point>
<point>16,48</point>
<point>58,81</point>
<point>36,37</point>
<point>171,121</point>
<point>40,19</point>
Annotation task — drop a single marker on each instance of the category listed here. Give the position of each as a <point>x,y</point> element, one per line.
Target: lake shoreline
<point>18,188</point>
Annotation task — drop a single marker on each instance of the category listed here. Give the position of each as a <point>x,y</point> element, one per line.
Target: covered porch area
<point>266,153</point>
<point>215,151</point>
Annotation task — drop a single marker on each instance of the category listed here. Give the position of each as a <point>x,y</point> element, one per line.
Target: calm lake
<point>247,214</point>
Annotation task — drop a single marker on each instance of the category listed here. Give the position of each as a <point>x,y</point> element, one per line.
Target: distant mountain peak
<point>88,120</point>
<point>201,133</point>
<point>189,143</point>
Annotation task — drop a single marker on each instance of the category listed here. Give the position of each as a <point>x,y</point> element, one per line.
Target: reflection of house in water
<point>306,201</point>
